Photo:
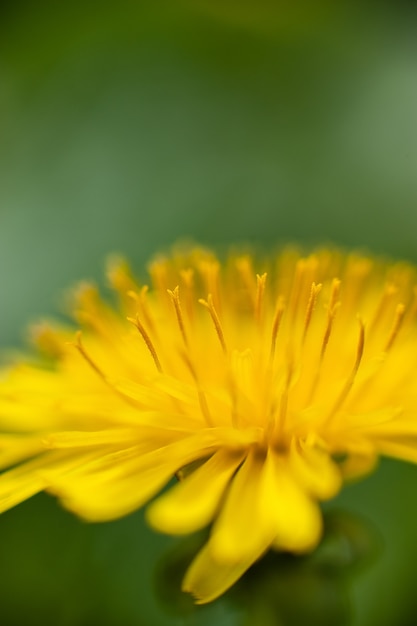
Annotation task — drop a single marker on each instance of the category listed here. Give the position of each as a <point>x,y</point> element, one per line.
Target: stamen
<point>47,340</point>
<point>361,345</point>
<point>148,342</point>
<point>275,326</point>
<point>159,273</point>
<point>175,297</point>
<point>204,408</point>
<point>283,402</point>
<point>119,276</point>
<point>209,305</point>
<point>413,308</point>
<point>210,273</point>
<point>233,397</point>
<point>305,272</point>
<point>205,411</point>
<point>141,301</point>
<point>399,316</point>
<point>91,311</point>
<point>296,288</point>
<point>389,291</point>
<point>260,293</point>
<point>331,314</point>
<point>315,290</point>
<point>79,346</point>
<point>349,383</point>
<point>187,276</point>
<point>244,267</point>
<point>334,293</point>
<point>357,273</point>
<point>95,323</point>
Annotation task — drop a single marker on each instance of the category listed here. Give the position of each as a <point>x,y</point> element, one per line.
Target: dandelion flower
<point>262,384</point>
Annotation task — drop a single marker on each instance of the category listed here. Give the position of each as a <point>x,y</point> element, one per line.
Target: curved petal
<point>193,502</point>
<point>297,518</point>
<point>400,448</point>
<point>27,479</point>
<point>16,448</point>
<point>115,484</point>
<point>265,506</point>
<point>206,579</point>
<point>358,465</point>
<point>243,528</point>
<point>100,496</point>
<point>315,469</point>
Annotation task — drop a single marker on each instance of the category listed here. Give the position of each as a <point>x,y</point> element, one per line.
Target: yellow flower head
<point>262,392</point>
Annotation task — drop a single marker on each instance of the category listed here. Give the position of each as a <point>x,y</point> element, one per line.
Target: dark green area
<point>127,126</point>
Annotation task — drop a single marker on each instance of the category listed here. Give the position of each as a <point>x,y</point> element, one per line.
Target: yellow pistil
<point>399,315</point>
<point>175,297</point>
<point>315,290</point>
<point>263,383</point>
<point>148,341</point>
<point>275,325</point>
<point>209,305</point>
<point>260,291</point>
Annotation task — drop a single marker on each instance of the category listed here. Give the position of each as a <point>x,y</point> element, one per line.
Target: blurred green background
<point>126,126</point>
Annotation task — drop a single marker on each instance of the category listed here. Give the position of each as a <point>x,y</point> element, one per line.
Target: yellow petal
<point>192,503</point>
<point>243,529</point>
<point>315,469</point>
<point>14,490</point>
<point>26,480</point>
<point>297,518</point>
<point>109,436</point>
<point>115,484</point>
<point>148,393</point>
<point>206,579</point>
<point>404,449</point>
<point>103,497</point>
<point>358,465</point>
<point>16,448</point>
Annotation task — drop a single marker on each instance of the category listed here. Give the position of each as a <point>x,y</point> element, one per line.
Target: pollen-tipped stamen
<point>386,296</point>
<point>332,309</point>
<point>148,341</point>
<point>260,295</point>
<point>141,302</point>
<point>205,411</point>
<point>398,319</point>
<point>331,314</point>
<point>81,349</point>
<point>349,383</point>
<point>175,298</point>
<point>279,311</point>
<point>314,292</point>
<point>187,277</point>
<point>209,305</point>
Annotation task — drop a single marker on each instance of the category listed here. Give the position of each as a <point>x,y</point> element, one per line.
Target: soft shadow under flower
<point>280,589</point>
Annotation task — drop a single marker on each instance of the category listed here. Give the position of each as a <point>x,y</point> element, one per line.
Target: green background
<point>127,126</point>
